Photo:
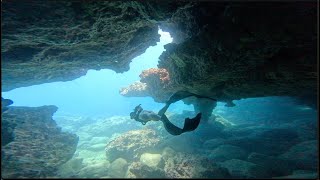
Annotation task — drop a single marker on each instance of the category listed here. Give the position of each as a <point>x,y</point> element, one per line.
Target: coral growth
<point>183,165</point>
<point>158,83</point>
<point>177,165</point>
<point>137,89</point>
<point>140,170</point>
<point>155,73</point>
<point>39,146</point>
<point>153,82</point>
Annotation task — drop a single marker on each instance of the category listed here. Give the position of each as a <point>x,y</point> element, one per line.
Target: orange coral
<point>161,73</point>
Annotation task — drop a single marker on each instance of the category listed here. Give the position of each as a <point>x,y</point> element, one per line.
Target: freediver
<point>145,116</point>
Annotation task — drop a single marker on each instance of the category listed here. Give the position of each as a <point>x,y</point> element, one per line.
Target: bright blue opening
<point>97,93</point>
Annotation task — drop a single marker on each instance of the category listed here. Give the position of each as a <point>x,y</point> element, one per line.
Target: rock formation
<point>230,51</point>
<point>243,53</point>
<point>60,40</point>
<point>132,144</point>
<point>37,146</point>
<point>225,50</point>
<point>137,89</point>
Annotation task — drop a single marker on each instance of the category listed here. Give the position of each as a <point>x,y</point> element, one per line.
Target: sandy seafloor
<point>228,146</point>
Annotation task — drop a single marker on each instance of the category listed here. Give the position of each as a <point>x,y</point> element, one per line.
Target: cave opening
<point>97,93</point>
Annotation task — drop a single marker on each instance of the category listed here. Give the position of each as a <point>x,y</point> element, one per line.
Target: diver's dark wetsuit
<point>144,116</point>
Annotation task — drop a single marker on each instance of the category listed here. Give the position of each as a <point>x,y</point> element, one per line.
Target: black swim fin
<point>189,125</point>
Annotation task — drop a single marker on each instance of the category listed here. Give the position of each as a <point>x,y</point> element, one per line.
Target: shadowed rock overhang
<point>48,41</point>
<point>225,50</point>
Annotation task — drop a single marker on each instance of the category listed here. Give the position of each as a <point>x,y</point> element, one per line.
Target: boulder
<point>152,160</point>
<point>118,168</point>
<point>94,170</point>
<point>213,143</point>
<point>238,168</point>
<point>271,142</point>
<point>39,146</point>
<point>185,165</point>
<point>168,153</point>
<point>304,155</point>
<point>70,168</point>
<point>97,147</point>
<point>132,144</point>
<point>226,152</point>
<point>300,174</point>
<point>141,170</point>
<point>272,166</point>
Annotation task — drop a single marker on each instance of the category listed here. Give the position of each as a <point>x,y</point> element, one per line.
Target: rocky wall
<point>60,40</point>
<point>36,146</point>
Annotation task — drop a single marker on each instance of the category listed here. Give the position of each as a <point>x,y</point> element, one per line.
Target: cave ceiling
<point>225,50</point>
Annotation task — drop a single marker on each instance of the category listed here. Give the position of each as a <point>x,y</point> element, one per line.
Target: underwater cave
<point>227,89</point>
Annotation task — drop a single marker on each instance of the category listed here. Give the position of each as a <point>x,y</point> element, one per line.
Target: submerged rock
<point>213,143</point>
<point>226,152</point>
<point>187,142</point>
<point>97,147</point>
<point>39,146</point>
<point>152,160</point>
<point>269,142</point>
<point>118,168</point>
<point>300,174</point>
<point>5,103</point>
<point>141,170</point>
<point>168,153</point>
<point>304,155</point>
<point>185,165</point>
<point>272,166</point>
<point>132,144</point>
<point>94,170</point>
<point>70,168</point>
<point>238,168</point>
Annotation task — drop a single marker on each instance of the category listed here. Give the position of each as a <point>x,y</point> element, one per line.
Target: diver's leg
<point>154,116</point>
<point>178,96</point>
<point>164,109</point>
<point>174,98</point>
